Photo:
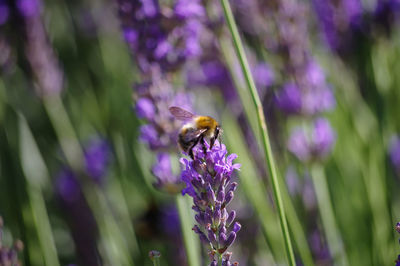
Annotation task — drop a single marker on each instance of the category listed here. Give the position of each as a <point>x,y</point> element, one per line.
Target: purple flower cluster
<point>309,95</point>
<point>40,54</point>
<point>315,145</point>
<point>305,92</point>
<point>162,38</point>
<point>9,256</point>
<point>161,129</point>
<point>208,182</point>
<point>153,100</point>
<point>165,35</point>
<point>339,20</point>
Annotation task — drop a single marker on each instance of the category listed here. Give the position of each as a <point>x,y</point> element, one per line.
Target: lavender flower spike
<point>208,182</point>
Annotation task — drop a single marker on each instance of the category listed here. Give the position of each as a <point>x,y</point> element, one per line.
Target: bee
<point>196,129</point>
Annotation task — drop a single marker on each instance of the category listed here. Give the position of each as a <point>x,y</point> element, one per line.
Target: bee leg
<point>191,152</point>
<point>192,147</point>
<point>212,140</point>
<point>204,145</point>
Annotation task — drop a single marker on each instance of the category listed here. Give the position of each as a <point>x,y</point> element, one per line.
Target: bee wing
<point>193,134</point>
<point>180,113</point>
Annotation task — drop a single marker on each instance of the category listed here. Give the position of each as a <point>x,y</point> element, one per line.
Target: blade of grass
<point>189,237</point>
<point>262,126</point>
<point>327,214</point>
<point>36,174</point>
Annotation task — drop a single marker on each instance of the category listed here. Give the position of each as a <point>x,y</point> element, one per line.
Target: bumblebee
<point>196,129</point>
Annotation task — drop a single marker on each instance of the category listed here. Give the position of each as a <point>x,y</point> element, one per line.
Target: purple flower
<point>208,182</point>
<point>165,179</point>
<point>68,186</point>
<point>394,152</point>
<point>289,98</point>
<point>338,20</point>
<point>315,145</point>
<point>263,75</point>
<point>310,96</point>
<point>145,108</point>
<point>292,181</point>
<point>189,9</point>
<point>97,157</point>
<point>4,12</point>
<point>154,98</point>
<point>161,35</point>
<point>43,61</point>
<point>29,8</point>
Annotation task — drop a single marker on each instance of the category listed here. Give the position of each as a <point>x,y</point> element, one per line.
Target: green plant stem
<point>36,175</point>
<point>262,126</point>
<point>189,238</point>
<point>327,215</point>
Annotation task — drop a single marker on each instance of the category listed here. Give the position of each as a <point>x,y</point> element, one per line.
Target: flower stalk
<point>262,126</point>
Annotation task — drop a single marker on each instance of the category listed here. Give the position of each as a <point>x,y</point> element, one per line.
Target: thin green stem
<point>327,215</point>
<point>262,126</point>
<point>189,238</point>
<point>36,175</point>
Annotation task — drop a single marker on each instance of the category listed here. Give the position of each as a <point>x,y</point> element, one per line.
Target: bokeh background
<point>89,165</point>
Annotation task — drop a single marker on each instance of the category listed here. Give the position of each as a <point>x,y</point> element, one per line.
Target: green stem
<point>262,126</point>
<point>327,215</point>
<point>189,238</point>
<point>36,175</point>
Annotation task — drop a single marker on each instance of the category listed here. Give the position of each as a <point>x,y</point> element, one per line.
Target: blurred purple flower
<point>323,137</point>
<point>145,108</point>
<point>162,36</point>
<point>292,181</point>
<point>43,61</point>
<point>4,12</point>
<point>153,100</point>
<point>68,186</point>
<point>29,8</point>
<point>208,182</point>
<point>289,98</point>
<point>165,179</point>
<point>320,251</point>
<point>189,9</point>
<point>338,20</point>
<point>316,145</point>
<point>310,96</point>
<point>263,75</point>
<point>394,152</point>
<point>97,158</point>
<point>9,255</point>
